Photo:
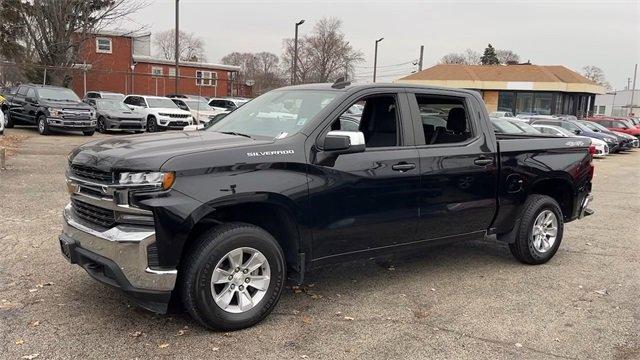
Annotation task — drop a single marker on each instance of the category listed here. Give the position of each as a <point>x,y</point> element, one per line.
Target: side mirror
<point>344,142</point>
<point>577,131</point>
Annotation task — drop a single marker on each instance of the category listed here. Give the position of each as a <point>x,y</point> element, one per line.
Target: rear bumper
<point>584,207</point>
<point>118,257</point>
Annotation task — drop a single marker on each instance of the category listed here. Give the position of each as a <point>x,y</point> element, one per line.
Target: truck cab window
<point>378,120</point>
<point>445,120</point>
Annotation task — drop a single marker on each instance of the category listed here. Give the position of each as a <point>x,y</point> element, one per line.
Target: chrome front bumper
<point>124,245</point>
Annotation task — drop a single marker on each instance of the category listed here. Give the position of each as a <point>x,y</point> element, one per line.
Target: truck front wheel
<point>233,276</point>
<point>540,232</point>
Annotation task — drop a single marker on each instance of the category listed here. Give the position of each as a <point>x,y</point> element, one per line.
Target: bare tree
<point>596,75</point>
<point>263,68</point>
<point>50,33</point>
<point>453,58</point>
<point>191,46</point>
<point>324,55</point>
<point>472,57</point>
<point>507,57</point>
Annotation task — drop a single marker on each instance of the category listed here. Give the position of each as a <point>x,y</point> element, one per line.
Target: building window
<point>542,103</point>
<point>172,71</point>
<point>206,78</point>
<point>506,101</point>
<point>524,103</point>
<point>103,45</point>
<point>156,71</point>
<point>601,109</point>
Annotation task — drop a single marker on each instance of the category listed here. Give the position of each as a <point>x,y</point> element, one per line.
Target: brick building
<point>118,62</point>
<point>522,88</point>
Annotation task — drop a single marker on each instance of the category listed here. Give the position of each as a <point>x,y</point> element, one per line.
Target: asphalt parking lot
<point>464,301</point>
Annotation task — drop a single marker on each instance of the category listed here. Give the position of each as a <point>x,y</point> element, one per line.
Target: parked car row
<point>57,108</point>
<point>607,135</point>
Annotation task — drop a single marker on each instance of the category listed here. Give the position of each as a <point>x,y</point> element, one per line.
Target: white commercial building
<point>617,103</point>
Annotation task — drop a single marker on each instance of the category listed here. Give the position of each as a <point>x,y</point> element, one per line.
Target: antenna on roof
<point>341,83</point>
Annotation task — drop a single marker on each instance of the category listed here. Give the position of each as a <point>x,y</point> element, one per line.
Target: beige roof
<point>496,77</point>
<point>534,73</point>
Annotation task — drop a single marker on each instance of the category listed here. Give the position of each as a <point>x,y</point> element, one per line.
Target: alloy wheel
<point>240,280</point>
<point>545,231</point>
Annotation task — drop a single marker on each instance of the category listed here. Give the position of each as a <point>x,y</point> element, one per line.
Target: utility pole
<point>177,42</point>
<point>421,57</point>
<point>633,89</point>
<point>375,59</point>
<point>628,83</point>
<point>613,103</point>
<point>294,77</point>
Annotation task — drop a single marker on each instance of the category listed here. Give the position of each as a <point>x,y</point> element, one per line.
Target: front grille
<point>94,214</point>
<point>131,126</point>
<point>178,123</point>
<point>129,119</point>
<point>91,173</point>
<point>179,116</point>
<point>76,114</point>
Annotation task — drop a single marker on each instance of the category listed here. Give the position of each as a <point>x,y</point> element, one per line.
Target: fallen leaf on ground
<point>518,345</point>
<point>19,342</point>
<point>338,313</point>
<point>180,333</point>
<point>307,320</point>
<point>136,333</point>
<point>432,289</point>
<point>588,244</point>
<point>602,292</point>
<point>34,322</point>
<point>30,357</point>
<point>33,290</point>
<point>349,318</point>
<point>215,349</point>
<point>421,313</point>
<point>162,346</point>
<point>304,356</point>
<point>227,334</point>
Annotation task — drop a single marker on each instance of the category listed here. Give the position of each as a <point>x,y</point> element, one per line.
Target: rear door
<point>458,166</point>
<point>31,105</point>
<point>368,200</point>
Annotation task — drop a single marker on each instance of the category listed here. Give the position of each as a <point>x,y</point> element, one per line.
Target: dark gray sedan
<point>114,115</point>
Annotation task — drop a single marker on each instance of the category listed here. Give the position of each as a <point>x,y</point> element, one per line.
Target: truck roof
<point>349,87</point>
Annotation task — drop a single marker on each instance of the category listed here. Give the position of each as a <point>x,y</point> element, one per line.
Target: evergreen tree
<point>489,57</point>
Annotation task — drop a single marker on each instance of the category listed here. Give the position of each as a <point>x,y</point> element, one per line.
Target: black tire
<point>43,127</point>
<point>88,133</point>
<point>523,247</point>
<point>100,126</point>
<point>152,124</point>
<point>8,121</point>
<point>200,262</point>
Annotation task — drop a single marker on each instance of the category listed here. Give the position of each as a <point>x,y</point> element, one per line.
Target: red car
<point>617,124</point>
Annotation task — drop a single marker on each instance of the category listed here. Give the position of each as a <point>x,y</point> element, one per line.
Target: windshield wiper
<point>235,133</point>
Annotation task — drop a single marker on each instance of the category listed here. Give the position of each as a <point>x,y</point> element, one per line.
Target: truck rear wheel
<point>233,277</point>
<point>8,120</point>
<point>540,230</point>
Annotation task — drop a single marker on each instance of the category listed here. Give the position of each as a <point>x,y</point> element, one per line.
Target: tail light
<point>592,150</point>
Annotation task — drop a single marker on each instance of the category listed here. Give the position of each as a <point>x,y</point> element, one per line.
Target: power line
<point>385,66</point>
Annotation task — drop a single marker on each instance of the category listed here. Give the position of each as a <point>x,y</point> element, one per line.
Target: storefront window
<point>506,101</point>
<point>524,103</point>
<point>542,103</point>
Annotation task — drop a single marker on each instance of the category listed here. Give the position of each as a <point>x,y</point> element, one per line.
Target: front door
<point>368,200</point>
<point>458,167</point>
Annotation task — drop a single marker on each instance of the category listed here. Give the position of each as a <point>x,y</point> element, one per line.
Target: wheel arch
<point>561,189</point>
<point>267,211</point>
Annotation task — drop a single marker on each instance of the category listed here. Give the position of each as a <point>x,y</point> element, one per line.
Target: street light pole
<point>177,42</point>
<point>375,60</point>
<point>633,90</point>
<point>294,78</point>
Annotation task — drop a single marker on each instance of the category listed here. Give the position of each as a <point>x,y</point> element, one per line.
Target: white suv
<point>161,112</point>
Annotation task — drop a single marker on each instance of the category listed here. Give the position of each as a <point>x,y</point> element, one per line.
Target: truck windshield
<point>57,94</point>
<point>276,114</point>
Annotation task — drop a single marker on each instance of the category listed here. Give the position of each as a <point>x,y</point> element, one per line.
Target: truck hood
<point>65,104</point>
<point>149,152</point>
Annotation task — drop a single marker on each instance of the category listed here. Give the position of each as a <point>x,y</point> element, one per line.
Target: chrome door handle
<point>483,161</point>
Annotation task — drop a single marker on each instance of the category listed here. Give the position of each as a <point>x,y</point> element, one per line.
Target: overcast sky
<point>570,33</point>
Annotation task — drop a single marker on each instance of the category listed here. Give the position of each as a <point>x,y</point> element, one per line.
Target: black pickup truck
<point>218,219</point>
<point>50,108</point>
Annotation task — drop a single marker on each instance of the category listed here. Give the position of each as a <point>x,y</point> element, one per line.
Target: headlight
<point>162,180</point>
<point>55,112</point>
